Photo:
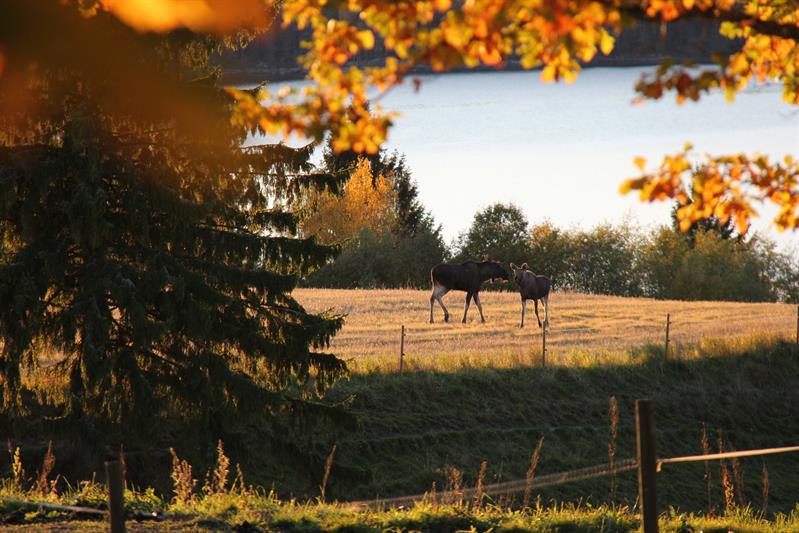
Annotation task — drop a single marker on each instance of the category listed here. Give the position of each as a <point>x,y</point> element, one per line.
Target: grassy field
<point>582,327</point>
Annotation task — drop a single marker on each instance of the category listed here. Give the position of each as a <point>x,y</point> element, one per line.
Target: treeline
<point>388,240</point>
<point>709,262</point>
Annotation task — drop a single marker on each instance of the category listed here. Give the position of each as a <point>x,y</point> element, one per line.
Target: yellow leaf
<point>739,64</point>
<point>689,4</point>
<point>367,39</point>
<point>631,184</point>
<point>640,162</point>
<point>626,186</point>
<point>606,43</point>
<point>549,72</point>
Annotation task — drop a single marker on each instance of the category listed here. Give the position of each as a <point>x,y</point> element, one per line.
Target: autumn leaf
<point>606,43</point>
<point>217,16</point>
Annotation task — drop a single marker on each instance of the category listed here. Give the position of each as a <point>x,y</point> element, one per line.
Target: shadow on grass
<point>743,393</point>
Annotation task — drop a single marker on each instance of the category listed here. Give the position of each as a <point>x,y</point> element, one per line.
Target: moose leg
<point>536,313</point>
<point>479,306</point>
<point>438,294</point>
<point>524,305</point>
<point>466,307</point>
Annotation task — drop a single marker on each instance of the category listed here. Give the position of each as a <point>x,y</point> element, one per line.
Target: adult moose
<point>532,287</point>
<point>467,277</point>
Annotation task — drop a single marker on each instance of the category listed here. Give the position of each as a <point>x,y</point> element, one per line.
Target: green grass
<point>237,511</point>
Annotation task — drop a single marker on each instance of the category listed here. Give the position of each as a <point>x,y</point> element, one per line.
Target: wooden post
<point>402,347</point>
<point>647,464</point>
<point>116,495</point>
<point>668,324</point>
<point>797,325</point>
<point>544,347</point>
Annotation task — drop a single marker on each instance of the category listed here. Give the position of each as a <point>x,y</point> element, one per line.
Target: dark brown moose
<point>532,287</point>
<point>467,277</point>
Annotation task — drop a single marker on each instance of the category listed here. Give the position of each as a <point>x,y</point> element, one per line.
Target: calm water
<point>560,151</point>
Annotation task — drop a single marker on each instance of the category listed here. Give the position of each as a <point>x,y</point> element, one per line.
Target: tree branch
<point>765,27</point>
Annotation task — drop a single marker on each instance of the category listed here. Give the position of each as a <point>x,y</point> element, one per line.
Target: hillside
<point>416,425</point>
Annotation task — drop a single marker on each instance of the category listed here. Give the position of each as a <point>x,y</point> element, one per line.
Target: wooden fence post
<point>116,495</point>
<point>668,325</point>
<point>544,347</point>
<point>797,325</point>
<point>402,347</point>
<point>647,464</point>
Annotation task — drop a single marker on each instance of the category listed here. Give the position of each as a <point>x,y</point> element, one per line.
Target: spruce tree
<point>145,254</point>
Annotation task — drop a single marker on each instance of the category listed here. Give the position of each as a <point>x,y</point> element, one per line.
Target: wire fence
<point>539,482</point>
<point>505,487</point>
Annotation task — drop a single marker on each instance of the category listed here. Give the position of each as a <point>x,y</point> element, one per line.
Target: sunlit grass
<point>221,511</point>
<point>584,329</point>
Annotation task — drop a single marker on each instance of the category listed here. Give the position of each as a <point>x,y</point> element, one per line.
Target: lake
<point>560,151</point>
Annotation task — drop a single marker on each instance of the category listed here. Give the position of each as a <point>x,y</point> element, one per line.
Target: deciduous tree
<point>365,203</point>
<point>499,231</point>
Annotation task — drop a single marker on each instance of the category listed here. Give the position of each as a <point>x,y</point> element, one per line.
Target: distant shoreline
<point>236,76</point>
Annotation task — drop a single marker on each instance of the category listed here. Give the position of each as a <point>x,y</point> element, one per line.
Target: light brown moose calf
<point>532,287</point>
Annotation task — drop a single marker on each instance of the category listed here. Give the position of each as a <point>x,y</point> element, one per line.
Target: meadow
<point>583,328</point>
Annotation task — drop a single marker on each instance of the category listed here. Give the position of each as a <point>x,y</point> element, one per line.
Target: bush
<point>383,261</point>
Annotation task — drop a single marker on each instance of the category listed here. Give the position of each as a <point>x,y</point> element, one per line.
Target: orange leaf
<point>442,5</point>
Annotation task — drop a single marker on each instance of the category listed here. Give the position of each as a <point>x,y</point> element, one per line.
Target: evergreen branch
<point>164,359</point>
<point>120,345</point>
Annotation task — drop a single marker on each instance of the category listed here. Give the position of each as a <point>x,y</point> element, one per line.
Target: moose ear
<point>513,267</point>
<point>525,267</point>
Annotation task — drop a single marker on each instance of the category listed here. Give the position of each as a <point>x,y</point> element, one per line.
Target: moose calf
<point>532,287</point>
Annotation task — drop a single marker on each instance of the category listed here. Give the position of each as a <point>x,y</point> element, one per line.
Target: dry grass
<point>584,329</point>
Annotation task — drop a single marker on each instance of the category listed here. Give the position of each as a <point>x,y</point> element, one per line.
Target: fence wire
<point>505,487</point>
<point>725,455</point>
<point>519,485</point>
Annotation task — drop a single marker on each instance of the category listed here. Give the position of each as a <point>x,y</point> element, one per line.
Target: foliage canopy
<point>556,35</point>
